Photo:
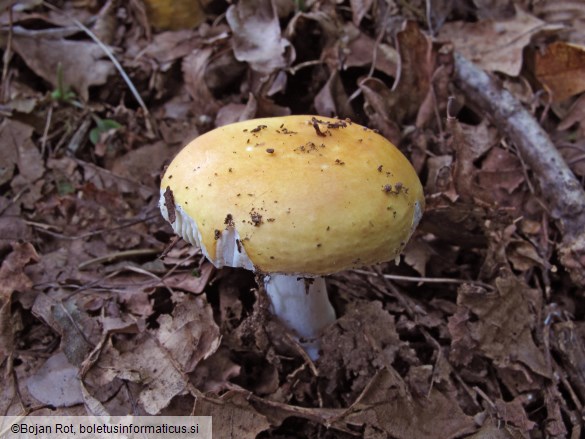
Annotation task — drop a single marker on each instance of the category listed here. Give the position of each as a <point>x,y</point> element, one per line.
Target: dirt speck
<point>256,218</point>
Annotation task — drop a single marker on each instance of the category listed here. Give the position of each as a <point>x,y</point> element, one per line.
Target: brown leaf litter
<point>477,333</point>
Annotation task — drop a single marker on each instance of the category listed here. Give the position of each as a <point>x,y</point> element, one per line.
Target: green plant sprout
<point>62,93</point>
<point>102,127</point>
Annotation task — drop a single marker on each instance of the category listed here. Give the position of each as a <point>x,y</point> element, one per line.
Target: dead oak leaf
<point>498,325</point>
<point>387,406</point>
<point>141,360</point>
<point>17,148</point>
<point>560,67</point>
<point>13,278</point>
<point>81,62</point>
<point>190,334</point>
<point>56,382</point>
<point>232,416</point>
<point>360,343</point>
<point>494,45</point>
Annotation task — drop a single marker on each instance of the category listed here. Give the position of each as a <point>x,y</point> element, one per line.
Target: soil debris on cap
<point>340,124</point>
<point>229,220</point>
<point>256,218</point>
<point>170,204</point>
<point>315,123</point>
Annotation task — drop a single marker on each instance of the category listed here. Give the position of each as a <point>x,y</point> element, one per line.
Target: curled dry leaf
<point>332,100</point>
<point>194,66</point>
<point>257,37</point>
<point>359,9</point>
<point>378,108</point>
<point>415,71</point>
<point>417,253</point>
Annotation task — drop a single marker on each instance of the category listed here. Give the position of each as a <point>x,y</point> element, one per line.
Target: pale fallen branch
<point>563,194</point>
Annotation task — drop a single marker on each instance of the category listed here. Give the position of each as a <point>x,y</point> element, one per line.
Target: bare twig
<point>563,194</point>
<point>423,279</point>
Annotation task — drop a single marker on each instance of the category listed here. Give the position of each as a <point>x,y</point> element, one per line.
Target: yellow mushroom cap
<point>305,195</point>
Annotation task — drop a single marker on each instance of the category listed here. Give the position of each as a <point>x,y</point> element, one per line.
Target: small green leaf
<point>65,187</point>
<point>102,126</point>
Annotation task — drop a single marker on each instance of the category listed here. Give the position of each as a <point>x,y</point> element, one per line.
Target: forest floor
<point>478,332</point>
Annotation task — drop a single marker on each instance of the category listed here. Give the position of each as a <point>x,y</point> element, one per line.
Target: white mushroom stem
<point>302,306</point>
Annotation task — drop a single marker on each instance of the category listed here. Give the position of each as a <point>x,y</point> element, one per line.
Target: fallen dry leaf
<point>142,361</point>
<point>359,9</point>
<point>386,406</point>
<point>416,254</point>
<point>78,331</point>
<point>232,416</point>
<point>332,100</point>
<point>194,68</point>
<point>503,329</point>
<point>18,149</point>
<point>56,382</point>
<point>190,334</point>
<point>12,228</point>
<point>492,430</point>
<point>12,275</point>
<point>13,278</point>
<point>575,116</point>
<point>415,72</point>
<point>560,67</point>
<point>82,62</point>
<point>513,413</point>
<point>257,37</point>
<point>507,39</point>
<point>170,46</point>
<point>353,357</point>
<point>362,51</point>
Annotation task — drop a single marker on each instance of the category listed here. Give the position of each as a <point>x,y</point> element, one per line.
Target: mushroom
<point>293,198</point>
